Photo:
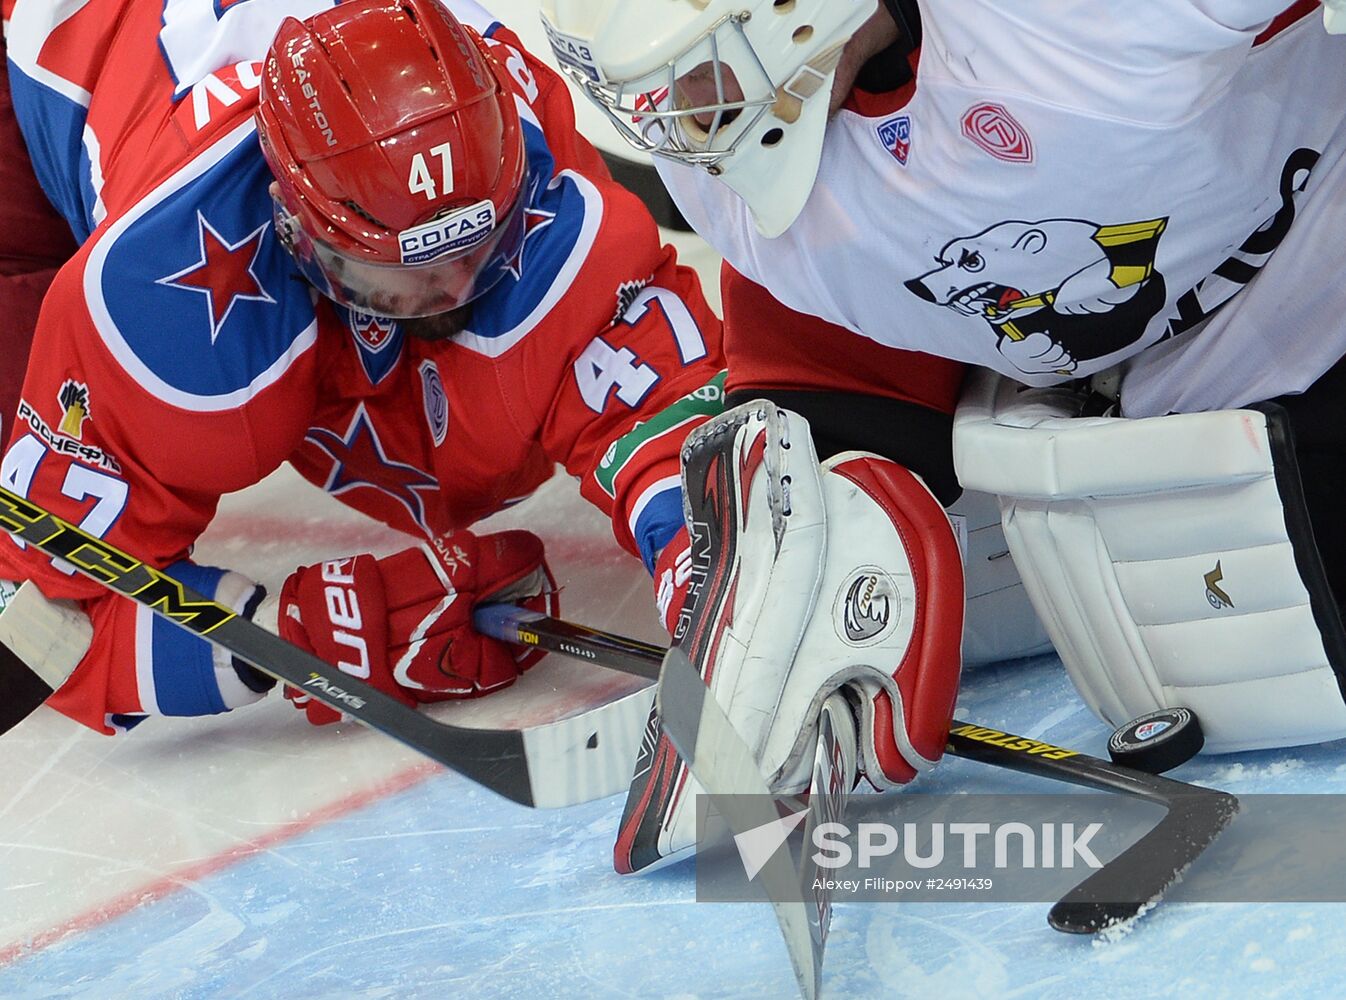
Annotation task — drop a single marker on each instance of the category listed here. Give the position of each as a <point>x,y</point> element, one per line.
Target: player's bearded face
<point>406,290</point>
<point>438,327</point>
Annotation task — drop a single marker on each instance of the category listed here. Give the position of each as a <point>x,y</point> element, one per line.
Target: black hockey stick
<point>1140,875</point>
<point>556,764</point>
<point>1119,891</point>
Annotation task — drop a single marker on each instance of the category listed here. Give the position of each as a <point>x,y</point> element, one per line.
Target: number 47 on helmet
<point>398,156</point>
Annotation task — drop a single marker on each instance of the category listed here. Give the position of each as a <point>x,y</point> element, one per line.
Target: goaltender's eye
<point>971,260</point>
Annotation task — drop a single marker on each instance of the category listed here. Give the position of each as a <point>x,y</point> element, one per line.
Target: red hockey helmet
<point>398,156</point>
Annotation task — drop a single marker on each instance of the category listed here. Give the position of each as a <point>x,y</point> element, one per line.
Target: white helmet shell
<point>765,144</point>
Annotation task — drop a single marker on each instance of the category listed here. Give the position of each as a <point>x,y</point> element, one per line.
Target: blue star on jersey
<point>224,273</point>
<point>359,459</point>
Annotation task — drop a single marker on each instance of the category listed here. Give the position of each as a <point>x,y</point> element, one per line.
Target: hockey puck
<point>1157,741</point>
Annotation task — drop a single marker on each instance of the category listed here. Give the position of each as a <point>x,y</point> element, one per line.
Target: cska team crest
<point>895,134</point>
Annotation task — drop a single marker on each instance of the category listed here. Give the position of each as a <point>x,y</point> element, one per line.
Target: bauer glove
<point>404,623</point>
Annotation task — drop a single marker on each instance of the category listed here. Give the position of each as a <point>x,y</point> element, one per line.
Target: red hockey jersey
<point>179,356</point>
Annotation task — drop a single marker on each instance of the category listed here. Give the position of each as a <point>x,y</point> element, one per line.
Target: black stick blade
<point>1136,879</point>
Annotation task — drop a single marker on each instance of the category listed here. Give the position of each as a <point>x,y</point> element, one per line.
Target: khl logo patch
<point>374,332</point>
<point>895,134</point>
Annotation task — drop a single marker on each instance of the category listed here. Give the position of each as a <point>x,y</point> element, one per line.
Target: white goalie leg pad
<point>1164,560</point>
<point>1000,622</point>
<point>753,506</point>
<point>51,637</point>
<point>778,554</point>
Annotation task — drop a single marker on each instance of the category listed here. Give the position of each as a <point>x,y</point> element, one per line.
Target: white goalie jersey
<point>1071,184</point>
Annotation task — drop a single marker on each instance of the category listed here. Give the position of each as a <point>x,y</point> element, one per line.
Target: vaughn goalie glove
<point>805,579</point>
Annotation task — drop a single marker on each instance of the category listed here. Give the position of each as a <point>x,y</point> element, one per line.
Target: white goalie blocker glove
<point>1170,559</point>
<point>807,579</point>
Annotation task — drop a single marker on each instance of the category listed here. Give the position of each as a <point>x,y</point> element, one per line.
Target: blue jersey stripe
<point>53,129</point>
<point>184,665</point>
<point>657,524</point>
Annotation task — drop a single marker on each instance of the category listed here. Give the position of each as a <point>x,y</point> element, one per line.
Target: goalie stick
<point>574,760</point>
<point>722,763</point>
<point>1119,891</point>
<point>716,755</point>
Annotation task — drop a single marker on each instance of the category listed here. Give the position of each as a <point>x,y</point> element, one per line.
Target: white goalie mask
<point>737,87</point>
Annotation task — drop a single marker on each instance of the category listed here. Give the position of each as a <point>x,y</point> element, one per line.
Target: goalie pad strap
<point>1170,559</point>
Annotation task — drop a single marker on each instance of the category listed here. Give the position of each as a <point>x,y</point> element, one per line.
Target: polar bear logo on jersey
<point>1057,292</point>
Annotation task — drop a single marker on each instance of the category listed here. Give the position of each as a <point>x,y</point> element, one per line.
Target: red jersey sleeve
<point>628,395</point>
<point>625,360</point>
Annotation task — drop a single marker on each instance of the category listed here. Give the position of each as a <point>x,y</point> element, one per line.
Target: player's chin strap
<point>1170,559</point>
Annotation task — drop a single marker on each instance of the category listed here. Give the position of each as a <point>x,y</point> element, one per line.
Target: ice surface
<point>252,856</point>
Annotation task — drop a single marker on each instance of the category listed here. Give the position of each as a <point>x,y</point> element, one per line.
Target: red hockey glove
<point>404,623</point>
<point>672,572</point>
